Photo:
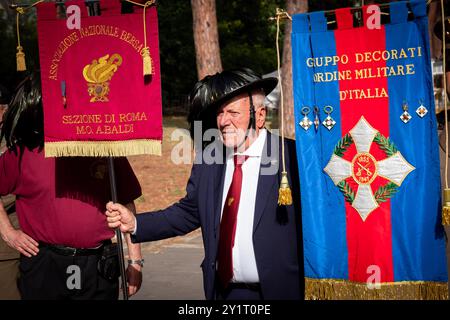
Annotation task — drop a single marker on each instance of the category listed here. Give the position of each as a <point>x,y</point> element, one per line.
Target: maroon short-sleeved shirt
<point>62,200</point>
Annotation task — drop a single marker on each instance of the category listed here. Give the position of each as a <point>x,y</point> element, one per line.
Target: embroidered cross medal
<point>421,110</point>
<point>305,123</point>
<point>364,168</point>
<point>329,121</point>
<point>405,117</point>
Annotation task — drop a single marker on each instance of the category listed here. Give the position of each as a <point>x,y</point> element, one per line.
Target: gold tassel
<point>284,193</point>
<point>148,68</point>
<point>20,59</point>
<point>446,208</point>
<point>20,55</point>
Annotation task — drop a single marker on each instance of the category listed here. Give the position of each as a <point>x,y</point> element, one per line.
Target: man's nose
<point>224,119</point>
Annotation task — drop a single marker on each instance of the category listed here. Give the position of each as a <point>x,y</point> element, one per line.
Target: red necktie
<point>228,224</point>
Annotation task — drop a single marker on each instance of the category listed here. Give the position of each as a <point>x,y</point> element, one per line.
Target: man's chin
<point>232,143</point>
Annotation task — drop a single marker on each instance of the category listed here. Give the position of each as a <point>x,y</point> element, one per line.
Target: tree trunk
<point>10,14</point>
<point>434,15</point>
<point>206,37</point>
<point>292,7</point>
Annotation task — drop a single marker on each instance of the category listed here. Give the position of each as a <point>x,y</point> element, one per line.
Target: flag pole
<point>112,179</point>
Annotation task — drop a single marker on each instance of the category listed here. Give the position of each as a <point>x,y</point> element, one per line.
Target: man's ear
<point>260,117</point>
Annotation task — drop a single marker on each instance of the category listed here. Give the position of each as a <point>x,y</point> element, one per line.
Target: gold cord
<point>147,60</point>
<point>445,93</point>
<point>18,12</point>
<point>284,192</point>
<point>279,14</point>
<point>145,5</point>
<point>20,55</point>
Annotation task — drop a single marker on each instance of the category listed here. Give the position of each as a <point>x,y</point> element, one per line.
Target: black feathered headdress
<point>212,91</point>
<point>23,121</point>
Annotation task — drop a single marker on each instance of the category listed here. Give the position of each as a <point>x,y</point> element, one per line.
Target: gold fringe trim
<point>102,148</point>
<point>446,208</point>
<point>446,216</point>
<point>332,289</point>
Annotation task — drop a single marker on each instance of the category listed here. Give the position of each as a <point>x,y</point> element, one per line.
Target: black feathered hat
<point>230,83</point>
<point>212,91</point>
<point>23,122</point>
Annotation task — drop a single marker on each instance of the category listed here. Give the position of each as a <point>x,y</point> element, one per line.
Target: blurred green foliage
<point>177,50</point>
<point>247,37</point>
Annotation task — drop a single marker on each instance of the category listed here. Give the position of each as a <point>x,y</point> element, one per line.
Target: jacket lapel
<point>266,182</point>
<point>219,180</point>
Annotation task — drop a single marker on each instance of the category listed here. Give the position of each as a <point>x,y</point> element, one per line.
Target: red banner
<point>96,99</point>
<point>374,233</point>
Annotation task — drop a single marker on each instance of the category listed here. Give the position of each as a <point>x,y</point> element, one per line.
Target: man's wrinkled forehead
<point>241,100</point>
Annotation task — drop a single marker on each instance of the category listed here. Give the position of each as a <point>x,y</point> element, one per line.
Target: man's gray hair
<point>258,97</point>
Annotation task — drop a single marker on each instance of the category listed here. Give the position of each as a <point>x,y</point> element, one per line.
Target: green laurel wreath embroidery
<point>348,192</point>
<point>343,145</point>
<point>385,192</point>
<point>385,144</point>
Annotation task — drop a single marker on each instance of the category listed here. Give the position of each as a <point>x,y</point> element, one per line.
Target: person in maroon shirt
<point>63,239</point>
<point>9,258</point>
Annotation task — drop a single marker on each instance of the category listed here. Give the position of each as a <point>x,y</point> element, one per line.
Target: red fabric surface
<point>369,242</point>
<point>62,200</point>
<point>133,109</point>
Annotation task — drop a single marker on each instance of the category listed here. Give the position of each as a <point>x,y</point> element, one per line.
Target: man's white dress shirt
<point>244,263</point>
